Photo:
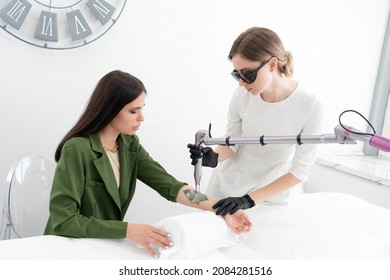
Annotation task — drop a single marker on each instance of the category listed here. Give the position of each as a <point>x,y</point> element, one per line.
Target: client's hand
<point>239,222</point>
<point>232,204</point>
<point>144,235</point>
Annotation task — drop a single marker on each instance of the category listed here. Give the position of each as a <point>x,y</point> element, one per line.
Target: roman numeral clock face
<point>59,24</point>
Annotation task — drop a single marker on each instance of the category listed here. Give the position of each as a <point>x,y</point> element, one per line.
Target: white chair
<point>26,197</point>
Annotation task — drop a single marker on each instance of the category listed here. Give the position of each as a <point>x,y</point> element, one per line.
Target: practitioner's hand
<point>232,204</point>
<point>239,222</point>
<point>207,154</point>
<point>144,235</point>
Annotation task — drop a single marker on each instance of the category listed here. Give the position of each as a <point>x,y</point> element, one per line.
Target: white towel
<point>195,234</point>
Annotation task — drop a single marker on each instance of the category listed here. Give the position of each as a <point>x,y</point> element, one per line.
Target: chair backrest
<point>26,199</point>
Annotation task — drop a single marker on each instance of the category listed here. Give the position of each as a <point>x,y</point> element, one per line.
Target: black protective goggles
<point>248,76</point>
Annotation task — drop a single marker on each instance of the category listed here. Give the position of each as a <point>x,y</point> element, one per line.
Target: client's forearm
<point>188,196</point>
<point>239,222</point>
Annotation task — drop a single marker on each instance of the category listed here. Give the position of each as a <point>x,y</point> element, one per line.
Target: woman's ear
<point>273,64</point>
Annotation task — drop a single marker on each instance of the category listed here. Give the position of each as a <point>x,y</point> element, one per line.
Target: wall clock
<point>59,24</point>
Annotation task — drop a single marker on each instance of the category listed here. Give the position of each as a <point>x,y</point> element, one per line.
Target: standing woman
<point>99,161</point>
<point>267,102</point>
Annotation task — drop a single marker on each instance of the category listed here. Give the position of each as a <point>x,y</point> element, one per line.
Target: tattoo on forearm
<point>195,197</point>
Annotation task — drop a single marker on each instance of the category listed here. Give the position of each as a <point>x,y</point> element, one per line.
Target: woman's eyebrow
<point>245,69</point>
<point>135,108</point>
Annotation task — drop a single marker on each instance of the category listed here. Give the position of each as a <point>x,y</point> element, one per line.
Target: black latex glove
<point>208,156</point>
<point>232,204</point>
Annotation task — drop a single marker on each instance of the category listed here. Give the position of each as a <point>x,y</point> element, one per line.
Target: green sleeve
<point>155,176</point>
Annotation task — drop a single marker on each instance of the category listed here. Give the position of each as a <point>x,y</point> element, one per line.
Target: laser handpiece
<point>199,136</point>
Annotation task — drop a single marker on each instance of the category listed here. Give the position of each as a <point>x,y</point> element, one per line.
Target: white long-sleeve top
<point>254,166</point>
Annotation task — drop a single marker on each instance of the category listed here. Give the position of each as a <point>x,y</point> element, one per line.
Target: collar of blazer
<point>97,146</point>
<point>103,166</point>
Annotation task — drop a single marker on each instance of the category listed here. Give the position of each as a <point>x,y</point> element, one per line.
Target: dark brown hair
<point>112,93</point>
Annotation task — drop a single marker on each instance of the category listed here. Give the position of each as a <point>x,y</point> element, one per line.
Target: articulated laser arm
<point>342,135</point>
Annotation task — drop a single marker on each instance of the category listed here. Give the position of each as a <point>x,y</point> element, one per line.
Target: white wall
<point>179,49</point>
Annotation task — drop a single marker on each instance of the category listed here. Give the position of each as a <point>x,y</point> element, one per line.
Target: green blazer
<point>85,200</point>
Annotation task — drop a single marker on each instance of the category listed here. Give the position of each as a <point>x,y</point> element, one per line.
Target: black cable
<point>355,132</point>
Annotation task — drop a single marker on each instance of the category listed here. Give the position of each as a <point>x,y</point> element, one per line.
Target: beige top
<point>114,160</point>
